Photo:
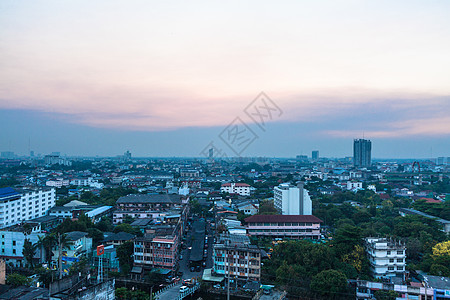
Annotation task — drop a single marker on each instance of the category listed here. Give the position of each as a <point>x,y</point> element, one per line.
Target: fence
<point>156,295</point>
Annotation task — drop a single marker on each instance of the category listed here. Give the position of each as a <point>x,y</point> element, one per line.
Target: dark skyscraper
<point>362,153</point>
<point>315,155</point>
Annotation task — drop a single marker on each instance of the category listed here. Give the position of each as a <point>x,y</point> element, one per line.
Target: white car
<point>183,289</point>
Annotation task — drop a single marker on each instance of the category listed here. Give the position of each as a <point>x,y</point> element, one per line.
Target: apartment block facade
<point>155,251</point>
<point>387,257</point>
<point>292,200</point>
<point>241,189</point>
<point>284,226</point>
<point>234,256</point>
<point>17,206</point>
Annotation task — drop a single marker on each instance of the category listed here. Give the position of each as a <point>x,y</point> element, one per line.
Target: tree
<point>124,227</point>
<point>441,249</point>
<point>16,279</point>
<point>266,207</point>
<point>125,256</point>
<point>330,283</point>
<point>29,250</point>
<point>46,243</point>
<point>346,238</point>
<point>385,295</point>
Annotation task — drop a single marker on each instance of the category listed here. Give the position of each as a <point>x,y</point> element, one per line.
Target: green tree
<point>266,207</point>
<point>46,244</point>
<point>385,295</point>
<point>29,250</point>
<point>330,283</point>
<point>346,238</point>
<point>16,279</point>
<point>125,256</point>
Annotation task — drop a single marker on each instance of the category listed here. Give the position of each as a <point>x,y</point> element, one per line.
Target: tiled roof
<point>283,218</point>
<point>150,198</point>
<point>236,184</point>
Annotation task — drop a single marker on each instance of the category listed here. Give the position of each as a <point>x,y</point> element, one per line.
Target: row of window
<point>280,224</point>
<point>393,268</point>
<point>237,269</point>
<point>279,230</point>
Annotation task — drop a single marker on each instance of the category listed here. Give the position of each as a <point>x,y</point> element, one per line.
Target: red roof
<point>236,184</point>
<point>283,218</point>
<point>431,200</point>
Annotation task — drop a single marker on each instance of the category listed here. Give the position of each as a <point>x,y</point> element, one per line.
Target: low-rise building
<point>284,226</point>
<point>387,257</point>
<point>234,256</point>
<point>248,208</point>
<point>79,245</point>
<point>241,189</point>
<point>156,251</point>
<point>12,240</point>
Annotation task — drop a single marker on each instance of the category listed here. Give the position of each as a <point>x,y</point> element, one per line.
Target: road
<point>174,291</point>
<point>274,295</point>
<point>184,263</point>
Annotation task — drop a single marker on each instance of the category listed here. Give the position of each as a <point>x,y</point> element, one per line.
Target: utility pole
<point>228,285</point>
<point>59,256</point>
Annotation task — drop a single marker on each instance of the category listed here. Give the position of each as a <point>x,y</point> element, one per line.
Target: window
<point>391,260</point>
<point>399,268</point>
<point>400,252</point>
<point>399,259</point>
<point>389,253</point>
<point>390,268</point>
<point>14,251</point>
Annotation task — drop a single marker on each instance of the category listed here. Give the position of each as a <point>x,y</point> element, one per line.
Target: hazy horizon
<point>168,78</point>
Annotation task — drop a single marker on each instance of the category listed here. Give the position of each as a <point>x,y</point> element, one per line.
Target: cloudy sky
<point>164,78</point>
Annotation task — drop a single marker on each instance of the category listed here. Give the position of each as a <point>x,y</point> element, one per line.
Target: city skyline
<point>165,79</point>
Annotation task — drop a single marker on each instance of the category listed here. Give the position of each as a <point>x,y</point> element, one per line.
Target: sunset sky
<point>163,78</point>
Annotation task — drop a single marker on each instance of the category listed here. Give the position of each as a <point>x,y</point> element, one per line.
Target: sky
<point>168,78</point>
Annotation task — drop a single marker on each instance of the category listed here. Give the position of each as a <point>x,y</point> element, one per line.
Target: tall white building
<point>387,257</point>
<point>24,205</point>
<point>292,200</point>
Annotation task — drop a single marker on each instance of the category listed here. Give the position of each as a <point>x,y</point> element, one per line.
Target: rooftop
<point>8,193</point>
<point>76,235</point>
<point>150,198</point>
<point>283,218</point>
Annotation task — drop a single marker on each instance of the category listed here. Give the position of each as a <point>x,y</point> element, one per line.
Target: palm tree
<point>29,250</point>
<point>46,243</point>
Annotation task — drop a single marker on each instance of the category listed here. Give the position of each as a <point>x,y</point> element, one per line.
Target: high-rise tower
<point>362,153</point>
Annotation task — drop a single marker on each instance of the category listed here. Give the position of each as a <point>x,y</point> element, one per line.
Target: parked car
<point>192,269</point>
<point>197,269</point>
<point>204,264</point>
<point>183,288</point>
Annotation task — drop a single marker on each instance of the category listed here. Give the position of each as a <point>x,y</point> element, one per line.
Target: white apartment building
<point>292,200</point>
<point>242,189</point>
<point>354,185</point>
<point>87,182</point>
<point>28,204</point>
<point>58,183</point>
<point>387,257</point>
